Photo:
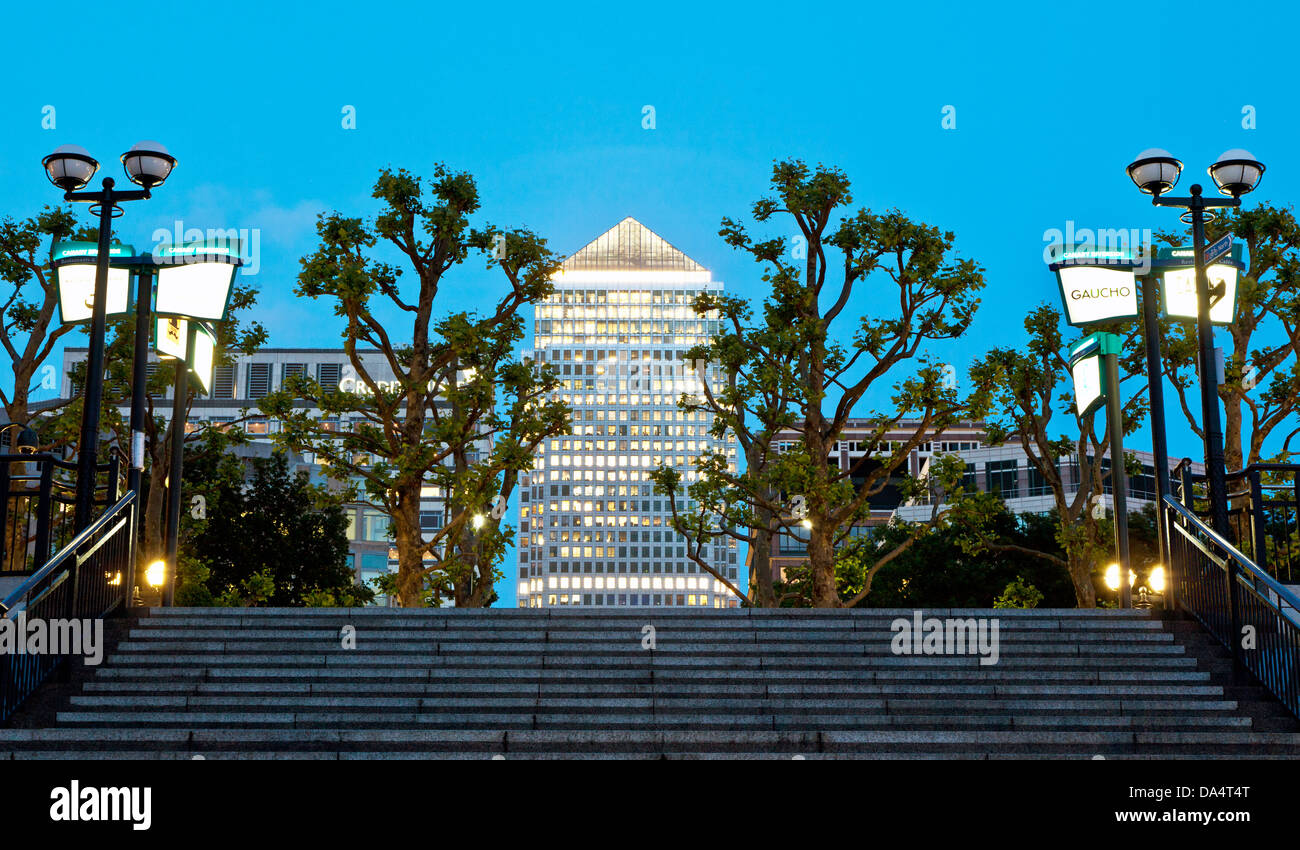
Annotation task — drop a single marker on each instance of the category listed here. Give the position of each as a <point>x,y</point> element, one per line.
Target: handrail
<point>1263,467</point>
<point>1255,616</point>
<point>67,552</point>
<point>1250,566</point>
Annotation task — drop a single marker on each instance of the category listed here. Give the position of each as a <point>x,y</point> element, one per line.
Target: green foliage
<point>192,584</point>
<point>250,592</point>
<point>456,379</point>
<point>941,568</point>
<point>1019,594</point>
<point>344,598</point>
<point>278,539</point>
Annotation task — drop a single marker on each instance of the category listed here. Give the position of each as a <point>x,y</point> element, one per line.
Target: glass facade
<point>1000,477</point>
<point>616,331</point>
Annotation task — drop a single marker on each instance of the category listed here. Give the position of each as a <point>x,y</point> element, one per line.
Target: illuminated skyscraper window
<point>592,531</point>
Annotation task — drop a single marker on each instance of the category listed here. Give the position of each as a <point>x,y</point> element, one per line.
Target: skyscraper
<point>592,531</point>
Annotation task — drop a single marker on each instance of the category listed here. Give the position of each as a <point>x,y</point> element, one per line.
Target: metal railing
<point>37,505</point>
<point>1264,517</point>
<point>87,580</point>
<point>1249,611</point>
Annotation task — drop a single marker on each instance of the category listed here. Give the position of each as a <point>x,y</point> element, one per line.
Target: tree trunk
<point>410,550</point>
<point>1232,454</point>
<point>761,592</point>
<point>1085,593</point>
<point>821,565</point>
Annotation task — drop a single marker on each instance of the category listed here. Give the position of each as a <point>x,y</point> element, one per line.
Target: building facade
<point>592,531</point>
<point>1007,471</point>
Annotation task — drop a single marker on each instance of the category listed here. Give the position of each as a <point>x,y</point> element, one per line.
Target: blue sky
<point>543,104</point>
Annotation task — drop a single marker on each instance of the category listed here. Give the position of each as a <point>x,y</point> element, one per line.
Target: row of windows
<point>614,336</point>
<point>258,383</point>
<point>1002,477</point>
<point>622,296</point>
<point>642,567</point>
<point>621,583</point>
<point>625,599</point>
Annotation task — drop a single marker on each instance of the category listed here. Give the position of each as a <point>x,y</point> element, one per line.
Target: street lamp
<point>27,440</point>
<point>148,164</point>
<point>1236,173</point>
<point>193,346</point>
<point>70,168</point>
<point>1094,365</point>
<point>194,281</point>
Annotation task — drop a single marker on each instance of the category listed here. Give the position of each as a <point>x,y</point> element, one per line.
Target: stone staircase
<point>279,683</point>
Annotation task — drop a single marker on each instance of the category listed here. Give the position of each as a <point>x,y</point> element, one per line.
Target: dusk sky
<point>544,105</point>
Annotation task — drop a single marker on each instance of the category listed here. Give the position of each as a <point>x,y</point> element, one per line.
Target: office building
<point>592,530</point>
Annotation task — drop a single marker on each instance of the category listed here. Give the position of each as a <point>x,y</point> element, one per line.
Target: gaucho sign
<point>1094,293</point>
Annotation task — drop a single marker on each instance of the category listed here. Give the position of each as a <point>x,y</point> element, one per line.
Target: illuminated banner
<point>1096,286</point>
<point>74,278</point>
<point>204,357</point>
<point>195,280</point>
<point>1178,284</point>
<point>172,338</point>
<point>171,341</point>
<point>1086,368</point>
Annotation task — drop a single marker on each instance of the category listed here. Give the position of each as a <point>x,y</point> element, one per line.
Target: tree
<point>456,382</point>
<point>278,526</point>
<point>1031,381</point>
<point>28,332</point>
<point>754,403</point>
<point>1261,387</point>
<point>932,297</point>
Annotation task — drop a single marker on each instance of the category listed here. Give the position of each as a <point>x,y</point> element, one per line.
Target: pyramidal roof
<point>630,246</point>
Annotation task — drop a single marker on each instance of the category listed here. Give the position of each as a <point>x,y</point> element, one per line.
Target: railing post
<point>1258,530</point>
<point>113,470</point>
<point>1185,479</point>
<point>1173,601</point>
<point>1231,571</point>
<point>45,516</point>
<point>128,569</point>
<point>4,517</point>
<point>1295,506</point>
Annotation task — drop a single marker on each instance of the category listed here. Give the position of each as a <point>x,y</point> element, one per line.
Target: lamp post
<point>1094,365</point>
<point>190,281</point>
<point>1155,172</point>
<point>70,168</point>
<point>193,348</point>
